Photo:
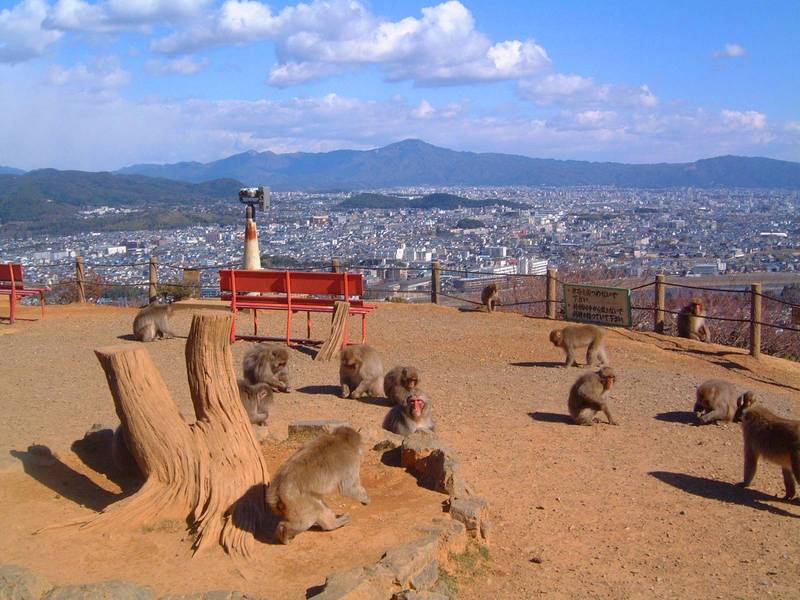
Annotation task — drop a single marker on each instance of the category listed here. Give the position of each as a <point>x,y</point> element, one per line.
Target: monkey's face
<point>697,308</point>
<point>555,338</point>
<point>744,402</point>
<point>415,405</point>
<point>608,382</point>
<point>410,379</point>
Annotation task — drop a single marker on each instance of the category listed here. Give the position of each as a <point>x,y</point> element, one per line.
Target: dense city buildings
<point>619,232</point>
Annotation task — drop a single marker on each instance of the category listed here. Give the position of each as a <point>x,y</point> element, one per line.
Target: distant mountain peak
<point>415,162</point>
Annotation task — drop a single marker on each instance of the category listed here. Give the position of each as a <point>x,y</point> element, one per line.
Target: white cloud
<point>21,33</point>
<point>325,37</point>
<point>730,51</point>
<point>574,90</point>
<point>102,75</point>
<point>750,119</point>
<point>118,15</point>
<point>183,65</point>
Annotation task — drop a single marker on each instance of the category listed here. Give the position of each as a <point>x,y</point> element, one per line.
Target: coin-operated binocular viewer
<point>252,197</point>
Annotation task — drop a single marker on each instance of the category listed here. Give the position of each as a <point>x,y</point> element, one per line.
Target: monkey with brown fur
<point>572,337</point>
<point>771,437</point>
<point>329,463</point>
<point>716,400</point>
<point>692,322</point>
<point>399,382</point>
<point>256,399</point>
<point>414,414</point>
<point>588,396</point>
<point>360,371</point>
<point>268,363</point>
<point>152,322</point>
<point>489,297</point>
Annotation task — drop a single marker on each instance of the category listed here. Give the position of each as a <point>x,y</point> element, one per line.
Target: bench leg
<point>12,308</point>
<point>255,321</point>
<point>308,324</point>
<point>41,302</point>
<point>363,329</point>
<point>233,326</point>
<point>289,327</point>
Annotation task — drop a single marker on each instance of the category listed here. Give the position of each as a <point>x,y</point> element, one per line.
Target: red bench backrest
<point>300,282</point>
<point>9,271</point>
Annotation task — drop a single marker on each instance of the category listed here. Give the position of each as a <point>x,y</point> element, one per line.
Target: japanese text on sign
<point>595,304</point>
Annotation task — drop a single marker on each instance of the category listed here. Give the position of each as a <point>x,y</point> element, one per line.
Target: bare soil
<point>645,509</point>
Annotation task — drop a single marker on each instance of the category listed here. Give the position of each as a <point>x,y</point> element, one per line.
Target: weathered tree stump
<point>211,472</point>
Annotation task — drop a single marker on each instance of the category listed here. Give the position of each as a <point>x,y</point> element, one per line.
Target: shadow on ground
<point>677,416</point>
<point>548,417</point>
<point>722,491</point>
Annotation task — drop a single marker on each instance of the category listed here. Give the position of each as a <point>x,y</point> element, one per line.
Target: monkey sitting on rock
<point>152,322</point>
<point>588,396</point>
<point>413,415</point>
<point>329,463</point>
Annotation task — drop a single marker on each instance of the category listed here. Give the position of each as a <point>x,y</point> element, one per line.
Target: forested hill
<point>414,162</point>
<point>50,200</point>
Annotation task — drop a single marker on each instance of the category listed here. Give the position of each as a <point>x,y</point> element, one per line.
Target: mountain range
<point>414,162</point>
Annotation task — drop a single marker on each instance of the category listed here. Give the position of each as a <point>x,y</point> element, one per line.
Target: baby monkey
<point>399,382</point>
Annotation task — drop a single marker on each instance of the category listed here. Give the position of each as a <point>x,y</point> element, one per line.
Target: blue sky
<point>102,84</point>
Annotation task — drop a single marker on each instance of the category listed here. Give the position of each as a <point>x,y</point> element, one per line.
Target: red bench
<point>11,285</point>
<point>292,291</point>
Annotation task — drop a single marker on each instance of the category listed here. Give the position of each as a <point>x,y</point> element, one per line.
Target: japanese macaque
<point>692,321</point>
<point>256,399</point>
<point>588,396</point>
<point>327,464</point>
<point>121,454</point>
<point>716,400</point>
<point>268,363</point>
<point>489,297</point>
<point>399,382</point>
<point>360,371</point>
<point>152,322</point>
<point>413,414</point>
<point>573,337</point>
<point>772,437</point>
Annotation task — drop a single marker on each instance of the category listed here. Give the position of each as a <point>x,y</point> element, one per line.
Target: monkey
<point>414,414</point>
<point>121,454</point>
<point>257,399</point>
<point>588,395</point>
<point>360,371</point>
<point>152,322</point>
<point>399,382</point>
<point>489,297</point>
<point>268,363</point>
<point>573,337</point>
<point>772,437</point>
<point>692,322</point>
<point>329,463</point>
<point>717,400</point>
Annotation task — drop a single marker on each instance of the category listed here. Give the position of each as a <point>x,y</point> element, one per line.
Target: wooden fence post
<point>436,281</point>
<point>755,320</point>
<point>80,279</point>
<point>552,292</point>
<point>153,291</point>
<point>336,266</point>
<point>659,314</point>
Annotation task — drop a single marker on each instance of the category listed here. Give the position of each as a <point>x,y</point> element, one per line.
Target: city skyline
<point>102,85</point>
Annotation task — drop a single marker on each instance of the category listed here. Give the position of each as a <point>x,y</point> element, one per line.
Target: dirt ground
<point>645,509</point>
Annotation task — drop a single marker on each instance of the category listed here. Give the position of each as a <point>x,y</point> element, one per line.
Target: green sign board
<point>598,304</point>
